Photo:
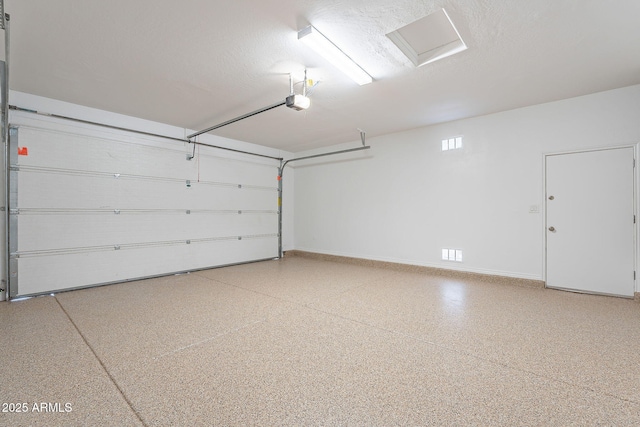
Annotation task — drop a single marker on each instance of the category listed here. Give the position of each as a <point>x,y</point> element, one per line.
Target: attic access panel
<point>428,39</point>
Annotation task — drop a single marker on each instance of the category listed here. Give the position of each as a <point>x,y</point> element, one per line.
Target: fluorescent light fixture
<point>298,102</point>
<point>332,53</point>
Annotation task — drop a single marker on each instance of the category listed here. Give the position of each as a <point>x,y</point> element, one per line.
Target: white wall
<point>405,199</point>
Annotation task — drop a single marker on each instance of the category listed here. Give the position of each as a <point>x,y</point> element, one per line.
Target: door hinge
<point>634,275</point>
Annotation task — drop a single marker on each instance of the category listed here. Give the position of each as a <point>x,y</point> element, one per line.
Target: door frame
<point>635,201</point>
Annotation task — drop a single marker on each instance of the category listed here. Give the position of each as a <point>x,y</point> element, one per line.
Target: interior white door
<point>590,221</point>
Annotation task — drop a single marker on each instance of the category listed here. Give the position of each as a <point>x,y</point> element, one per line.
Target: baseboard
<point>493,278</point>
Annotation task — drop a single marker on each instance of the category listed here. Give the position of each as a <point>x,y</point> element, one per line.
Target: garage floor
<point>311,342</point>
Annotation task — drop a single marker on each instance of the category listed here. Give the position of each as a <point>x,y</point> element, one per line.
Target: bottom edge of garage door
<point>173,273</point>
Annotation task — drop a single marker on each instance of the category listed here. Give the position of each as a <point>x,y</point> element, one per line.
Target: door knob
<point>552,229</point>
<point>551,197</point>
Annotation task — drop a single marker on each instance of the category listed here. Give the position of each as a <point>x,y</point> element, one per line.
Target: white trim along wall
<point>406,199</point>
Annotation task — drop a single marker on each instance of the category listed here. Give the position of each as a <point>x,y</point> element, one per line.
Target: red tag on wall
<point>23,151</point>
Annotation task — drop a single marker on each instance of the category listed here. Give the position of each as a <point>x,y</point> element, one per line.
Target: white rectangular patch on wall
<point>452,255</point>
<point>452,143</point>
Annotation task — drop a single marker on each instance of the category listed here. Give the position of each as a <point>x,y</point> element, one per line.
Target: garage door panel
<point>46,273</point>
<point>37,233</point>
<point>218,170</point>
<point>229,198</point>
<point>94,192</point>
<point>93,209</point>
<point>74,152</point>
<point>48,190</point>
<point>63,151</point>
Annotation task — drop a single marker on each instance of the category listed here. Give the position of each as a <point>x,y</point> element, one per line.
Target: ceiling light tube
<point>332,53</point>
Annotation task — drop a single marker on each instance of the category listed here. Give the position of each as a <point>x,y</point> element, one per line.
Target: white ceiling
<point>195,63</point>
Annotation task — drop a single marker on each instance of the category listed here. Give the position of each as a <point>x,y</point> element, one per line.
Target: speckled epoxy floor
<point>311,342</point>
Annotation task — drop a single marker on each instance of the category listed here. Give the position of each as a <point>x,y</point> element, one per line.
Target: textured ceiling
<point>196,63</point>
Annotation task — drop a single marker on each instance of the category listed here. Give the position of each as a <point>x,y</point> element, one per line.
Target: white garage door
<point>90,206</point>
